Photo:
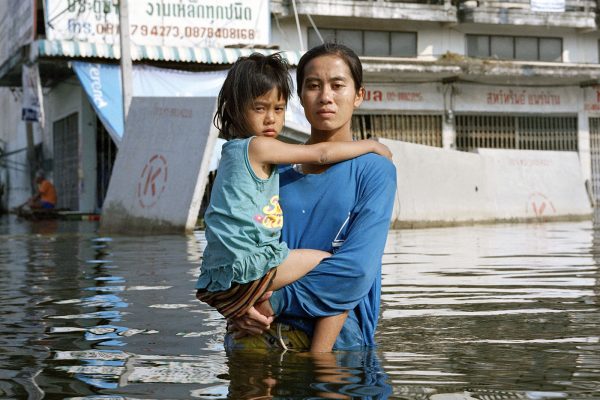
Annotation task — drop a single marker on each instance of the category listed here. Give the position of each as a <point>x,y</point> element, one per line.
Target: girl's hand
<point>382,149</point>
<point>256,321</point>
<point>252,323</point>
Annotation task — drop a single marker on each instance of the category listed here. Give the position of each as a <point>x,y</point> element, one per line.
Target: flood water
<point>478,312</point>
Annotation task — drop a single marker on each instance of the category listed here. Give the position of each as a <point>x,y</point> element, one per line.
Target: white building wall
<point>583,47</point>
<point>433,42</point>
<point>13,138</point>
<point>285,34</point>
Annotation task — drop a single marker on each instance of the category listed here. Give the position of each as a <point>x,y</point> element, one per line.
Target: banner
<point>186,23</point>
<point>17,26</point>
<point>32,109</point>
<point>102,83</point>
<point>548,5</point>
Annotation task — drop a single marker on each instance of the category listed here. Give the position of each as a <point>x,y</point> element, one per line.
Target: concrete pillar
<point>448,126</point>
<point>583,139</point>
<point>448,133</point>
<point>88,161</point>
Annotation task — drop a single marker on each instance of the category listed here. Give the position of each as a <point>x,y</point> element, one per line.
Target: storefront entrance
<point>66,161</point>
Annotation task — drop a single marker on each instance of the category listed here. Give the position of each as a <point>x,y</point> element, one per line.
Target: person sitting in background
<point>45,198</point>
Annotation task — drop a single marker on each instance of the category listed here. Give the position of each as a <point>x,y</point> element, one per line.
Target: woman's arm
<point>354,268</point>
<point>266,150</point>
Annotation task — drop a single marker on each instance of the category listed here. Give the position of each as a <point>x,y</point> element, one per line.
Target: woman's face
<point>328,95</point>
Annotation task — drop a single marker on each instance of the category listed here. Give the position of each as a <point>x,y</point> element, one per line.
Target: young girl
<point>244,257</point>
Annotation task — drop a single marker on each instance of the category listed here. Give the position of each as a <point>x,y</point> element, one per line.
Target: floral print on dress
<point>272,216</point>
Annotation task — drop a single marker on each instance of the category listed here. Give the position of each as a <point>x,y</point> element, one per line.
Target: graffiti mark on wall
<point>153,181</point>
<point>539,205</point>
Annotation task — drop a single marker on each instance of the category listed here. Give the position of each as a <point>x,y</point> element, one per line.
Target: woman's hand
<point>256,321</point>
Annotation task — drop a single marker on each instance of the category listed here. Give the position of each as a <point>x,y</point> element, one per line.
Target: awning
<point>102,84</point>
<point>203,55</point>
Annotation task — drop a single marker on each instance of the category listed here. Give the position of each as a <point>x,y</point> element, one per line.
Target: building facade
<point>459,75</point>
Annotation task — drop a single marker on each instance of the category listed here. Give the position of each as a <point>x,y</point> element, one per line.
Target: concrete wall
<point>443,187</point>
<point>158,179</point>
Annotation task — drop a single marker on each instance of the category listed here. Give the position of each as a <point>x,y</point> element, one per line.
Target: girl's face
<point>328,95</point>
<point>265,115</point>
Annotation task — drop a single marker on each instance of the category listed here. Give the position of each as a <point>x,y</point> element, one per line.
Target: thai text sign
<point>188,23</point>
<point>16,27</point>
<point>418,96</point>
<point>516,99</point>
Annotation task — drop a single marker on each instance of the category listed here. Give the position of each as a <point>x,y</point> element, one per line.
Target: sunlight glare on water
<point>477,312</point>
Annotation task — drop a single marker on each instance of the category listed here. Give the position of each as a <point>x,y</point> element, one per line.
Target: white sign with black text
<point>186,23</point>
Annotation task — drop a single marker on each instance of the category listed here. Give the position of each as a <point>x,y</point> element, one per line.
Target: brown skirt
<point>237,300</point>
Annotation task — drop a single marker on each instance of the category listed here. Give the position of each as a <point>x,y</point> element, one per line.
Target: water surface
<point>480,312</point>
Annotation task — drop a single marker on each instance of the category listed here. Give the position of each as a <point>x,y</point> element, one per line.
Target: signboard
<point>17,27</point>
<point>158,180</point>
<point>187,23</point>
<point>516,99</point>
<point>548,5</point>
<point>32,108</point>
<point>426,96</point>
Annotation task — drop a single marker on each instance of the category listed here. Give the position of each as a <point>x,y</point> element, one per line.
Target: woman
<point>343,208</point>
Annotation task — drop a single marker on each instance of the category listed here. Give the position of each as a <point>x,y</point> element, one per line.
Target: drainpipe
<point>126,68</point>
<point>30,155</point>
<point>298,26</point>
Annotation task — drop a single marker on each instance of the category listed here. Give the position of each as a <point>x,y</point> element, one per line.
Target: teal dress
<point>243,223</point>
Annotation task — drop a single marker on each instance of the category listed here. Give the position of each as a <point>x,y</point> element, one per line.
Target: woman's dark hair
<point>331,49</point>
<point>249,78</point>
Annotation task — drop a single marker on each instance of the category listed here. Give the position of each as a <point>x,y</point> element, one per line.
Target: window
<point>352,39</point>
<point>376,43</point>
<point>478,46</point>
<point>515,47</point>
<point>550,49</point>
<point>369,43</point>
<point>502,47</point>
<point>526,48</point>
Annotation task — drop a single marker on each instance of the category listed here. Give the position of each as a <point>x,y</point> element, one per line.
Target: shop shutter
<point>535,132</point>
<point>422,129</point>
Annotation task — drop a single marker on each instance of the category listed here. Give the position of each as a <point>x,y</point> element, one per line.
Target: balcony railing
<point>570,5</point>
<point>431,2</point>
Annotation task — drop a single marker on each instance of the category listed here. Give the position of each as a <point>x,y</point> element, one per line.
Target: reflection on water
<point>484,312</point>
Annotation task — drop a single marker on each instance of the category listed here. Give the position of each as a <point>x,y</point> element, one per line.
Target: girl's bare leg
<point>296,265</point>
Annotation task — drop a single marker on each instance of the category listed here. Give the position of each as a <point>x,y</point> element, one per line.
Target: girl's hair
<point>249,78</point>
<point>333,49</point>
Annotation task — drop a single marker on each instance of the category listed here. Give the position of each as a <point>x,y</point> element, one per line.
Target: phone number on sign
<point>193,32</point>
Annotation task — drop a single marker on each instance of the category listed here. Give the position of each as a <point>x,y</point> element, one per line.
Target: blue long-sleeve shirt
<point>346,211</point>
